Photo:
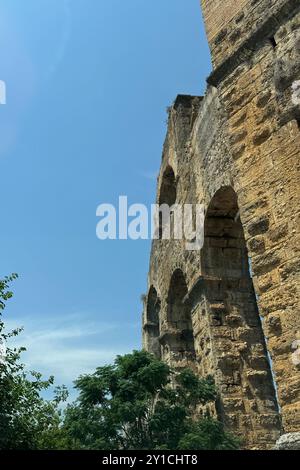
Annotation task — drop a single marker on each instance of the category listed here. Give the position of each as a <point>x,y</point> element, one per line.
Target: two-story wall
<point>231,309</point>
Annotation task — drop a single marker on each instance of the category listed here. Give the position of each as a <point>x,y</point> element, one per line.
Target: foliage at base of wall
<point>138,402</point>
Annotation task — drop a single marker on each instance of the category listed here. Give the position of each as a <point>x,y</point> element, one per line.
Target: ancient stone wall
<point>232,308</point>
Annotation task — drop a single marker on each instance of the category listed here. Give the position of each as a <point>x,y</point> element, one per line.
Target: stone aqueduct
<point>236,150</point>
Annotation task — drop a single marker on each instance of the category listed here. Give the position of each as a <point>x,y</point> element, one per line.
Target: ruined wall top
<point>218,13</point>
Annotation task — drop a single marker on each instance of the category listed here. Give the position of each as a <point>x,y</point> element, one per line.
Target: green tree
<point>27,421</point>
<point>140,403</point>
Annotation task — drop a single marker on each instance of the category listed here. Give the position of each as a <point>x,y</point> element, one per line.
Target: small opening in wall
<point>273,42</point>
<point>298,123</point>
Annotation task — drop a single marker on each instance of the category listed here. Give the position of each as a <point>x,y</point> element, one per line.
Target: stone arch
<point>168,187</point>
<point>151,324</point>
<point>178,339</point>
<point>239,354</point>
<point>224,236</point>
<point>167,196</point>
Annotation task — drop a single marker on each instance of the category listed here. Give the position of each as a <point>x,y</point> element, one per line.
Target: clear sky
<point>88,84</point>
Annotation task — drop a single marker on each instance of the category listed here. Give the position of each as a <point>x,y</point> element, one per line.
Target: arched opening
<point>167,195</point>
<point>179,339</point>
<point>225,253</point>
<point>242,366</point>
<point>151,325</point>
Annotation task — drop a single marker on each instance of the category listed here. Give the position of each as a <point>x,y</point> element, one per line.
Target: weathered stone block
<point>290,441</point>
<point>259,225</point>
<point>257,245</point>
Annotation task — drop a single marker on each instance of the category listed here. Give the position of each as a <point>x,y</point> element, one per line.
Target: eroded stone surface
<point>289,441</point>
<point>236,151</point>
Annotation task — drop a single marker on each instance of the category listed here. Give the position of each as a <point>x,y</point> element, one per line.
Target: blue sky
<point>88,83</point>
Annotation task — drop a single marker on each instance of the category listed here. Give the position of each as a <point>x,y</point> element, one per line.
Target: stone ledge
<point>253,43</point>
